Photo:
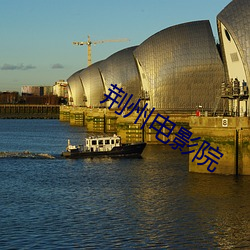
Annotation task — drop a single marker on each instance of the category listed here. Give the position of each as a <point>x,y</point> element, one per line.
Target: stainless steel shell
<point>181,67</point>
<point>120,68</point>
<point>236,18</point>
<point>75,89</point>
<point>93,85</point>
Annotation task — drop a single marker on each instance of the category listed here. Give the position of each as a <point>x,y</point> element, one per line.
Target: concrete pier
<point>64,114</point>
<point>231,135</point>
<point>107,121</point>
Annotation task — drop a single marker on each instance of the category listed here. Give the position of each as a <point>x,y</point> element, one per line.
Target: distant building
<point>47,90</point>
<point>9,97</point>
<point>38,95</point>
<point>30,90</point>
<point>37,90</point>
<point>40,100</point>
<point>60,89</point>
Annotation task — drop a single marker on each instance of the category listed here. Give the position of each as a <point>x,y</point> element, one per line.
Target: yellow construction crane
<point>89,43</point>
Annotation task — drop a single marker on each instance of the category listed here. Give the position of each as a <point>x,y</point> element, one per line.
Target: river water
<point>150,203</point>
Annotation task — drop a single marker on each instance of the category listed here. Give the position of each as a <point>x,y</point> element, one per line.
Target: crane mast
<point>89,43</point>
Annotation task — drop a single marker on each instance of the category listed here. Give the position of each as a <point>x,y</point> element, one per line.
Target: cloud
<point>7,66</point>
<point>57,66</point>
<point>28,67</point>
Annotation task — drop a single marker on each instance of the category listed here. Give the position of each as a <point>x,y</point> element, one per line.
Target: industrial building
<point>40,95</point>
<point>9,97</point>
<point>60,89</point>
<point>178,69</point>
<point>37,90</point>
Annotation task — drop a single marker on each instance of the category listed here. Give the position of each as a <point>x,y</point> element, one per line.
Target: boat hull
<point>126,150</point>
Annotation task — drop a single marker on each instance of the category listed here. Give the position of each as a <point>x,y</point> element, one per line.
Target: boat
<point>104,146</point>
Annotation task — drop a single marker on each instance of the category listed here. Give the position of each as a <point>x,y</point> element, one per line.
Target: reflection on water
<point>226,202</point>
<point>107,203</point>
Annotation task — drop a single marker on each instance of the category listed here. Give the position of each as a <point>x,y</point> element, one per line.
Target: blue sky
<point>36,35</point>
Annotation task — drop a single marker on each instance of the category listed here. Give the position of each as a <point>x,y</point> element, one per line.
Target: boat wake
<point>26,154</point>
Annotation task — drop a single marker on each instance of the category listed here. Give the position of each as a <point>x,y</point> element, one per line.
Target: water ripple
<point>26,154</point>
<point>148,203</point>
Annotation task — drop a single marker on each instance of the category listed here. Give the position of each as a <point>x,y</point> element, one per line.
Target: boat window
<point>93,142</point>
<point>100,142</point>
<point>112,141</point>
<point>117,141</point>
<point>107,142</point>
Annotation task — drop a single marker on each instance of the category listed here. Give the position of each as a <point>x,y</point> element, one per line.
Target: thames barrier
<point>176,71</point>
<point>230,134</point>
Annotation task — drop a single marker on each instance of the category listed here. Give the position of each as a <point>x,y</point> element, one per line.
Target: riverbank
<point>25,111</point>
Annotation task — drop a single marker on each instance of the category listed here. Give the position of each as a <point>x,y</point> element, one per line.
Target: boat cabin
<point>105,143</point>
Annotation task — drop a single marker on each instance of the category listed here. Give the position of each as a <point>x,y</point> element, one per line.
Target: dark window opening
<point>227,35</point>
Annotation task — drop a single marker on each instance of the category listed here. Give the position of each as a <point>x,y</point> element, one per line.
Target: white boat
<point>103,146</point>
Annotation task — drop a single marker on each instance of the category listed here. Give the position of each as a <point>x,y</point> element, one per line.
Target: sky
<point>36,35</point>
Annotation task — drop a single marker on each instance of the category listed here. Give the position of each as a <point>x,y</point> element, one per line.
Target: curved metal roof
<point>236,18</point>
<point>181,67</point>
<point>120,68</point>
<point>76,90</point>
<point>93,85</point>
